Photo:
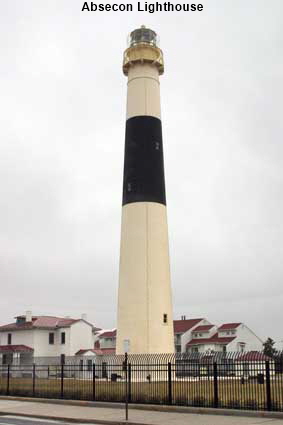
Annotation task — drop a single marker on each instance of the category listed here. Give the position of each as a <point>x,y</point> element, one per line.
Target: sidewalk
<point>82,412</point>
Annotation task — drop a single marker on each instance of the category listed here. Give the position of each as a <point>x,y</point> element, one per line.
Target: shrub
<point>251,404</point>
<point>199,401</point>
<point>233,404</point>
<point>276,406</point>
<point>181,400</point>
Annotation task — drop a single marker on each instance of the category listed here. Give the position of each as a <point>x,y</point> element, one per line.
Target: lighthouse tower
<point>145,324</point>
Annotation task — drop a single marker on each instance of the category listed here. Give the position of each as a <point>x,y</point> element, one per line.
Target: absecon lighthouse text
<point>142,7</point>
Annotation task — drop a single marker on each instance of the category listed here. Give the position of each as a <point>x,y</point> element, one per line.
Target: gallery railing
<point>249,380</point>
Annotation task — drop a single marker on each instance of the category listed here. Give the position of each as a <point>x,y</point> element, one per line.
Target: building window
<point>4,359</point>
<point>63,337</point>
<point>195,349</point>
<point>164,318</point>
<point>177,338</point>
<point>224,349</point>
<point>9,339</point>
<point>81,365</point>
<point>242,347</point>
<point>51,337</point>
<point>89,365</point>
<point>62,358</point>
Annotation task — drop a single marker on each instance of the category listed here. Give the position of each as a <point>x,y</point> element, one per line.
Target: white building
<point>236,337</point>
<point>253,363</point>
<point>107,341</point>
<point>44,336</point>
<point>183,331</point>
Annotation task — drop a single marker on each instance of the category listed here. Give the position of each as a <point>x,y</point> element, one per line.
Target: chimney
<point>84,316</point>
<point>28,316</point>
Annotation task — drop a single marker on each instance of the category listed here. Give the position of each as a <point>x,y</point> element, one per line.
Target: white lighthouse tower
<point>145,323</point>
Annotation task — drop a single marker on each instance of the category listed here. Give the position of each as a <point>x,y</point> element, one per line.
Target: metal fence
<point>223,380</point>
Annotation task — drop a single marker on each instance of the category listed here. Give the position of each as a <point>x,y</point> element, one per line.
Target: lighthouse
<point>145,323</point>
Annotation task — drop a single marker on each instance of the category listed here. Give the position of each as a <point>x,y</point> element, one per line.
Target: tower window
<point>164,318</point>
<point>51,338</point>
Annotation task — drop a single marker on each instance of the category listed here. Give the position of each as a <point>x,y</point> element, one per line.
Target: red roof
<point>14,348</point>
<point>94,351</point>
<point>108,334</point>
<point>181,326</point>
<point>215,339</point>
<point>106,351</point>
<point>203,328</point>
<point>228,326</point>
<point>101,352</point>
<point>49,322</point>
<point>253,356</point>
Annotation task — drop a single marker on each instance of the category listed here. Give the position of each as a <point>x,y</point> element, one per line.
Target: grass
<point>231,393</point>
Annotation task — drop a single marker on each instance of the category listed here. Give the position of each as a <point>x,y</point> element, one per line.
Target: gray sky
<point>62,123</point>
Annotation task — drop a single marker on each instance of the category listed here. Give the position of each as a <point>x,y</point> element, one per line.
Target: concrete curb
<point>145,407</point>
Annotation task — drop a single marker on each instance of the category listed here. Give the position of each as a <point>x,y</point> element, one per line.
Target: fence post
<point>215,384</point>
<point>126,387</point>
<point>33,379</point>
<point>93,381</point>
<point>62,380</point>
<point>169,383</point>
<point>8,380</point>
<point>129,382</point>
<point>268,389</point>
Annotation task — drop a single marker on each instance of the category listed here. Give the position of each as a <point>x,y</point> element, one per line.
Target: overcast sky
<point>62,123</point>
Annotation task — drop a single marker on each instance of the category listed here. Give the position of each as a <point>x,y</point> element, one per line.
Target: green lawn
<point>231,393</point>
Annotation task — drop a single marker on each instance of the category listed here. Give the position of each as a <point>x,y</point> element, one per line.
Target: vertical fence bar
<point>126,387</point>
<point>8,380</point>
<point>93,381</point>
<point>215,384</point>
<point>268,389</point>
<point>169,370</point>
<point>130,383</point>
<point>62,381</point>
<point>33,379</point>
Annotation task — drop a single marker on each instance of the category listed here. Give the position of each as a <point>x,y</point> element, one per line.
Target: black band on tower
<point>143,167</point>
